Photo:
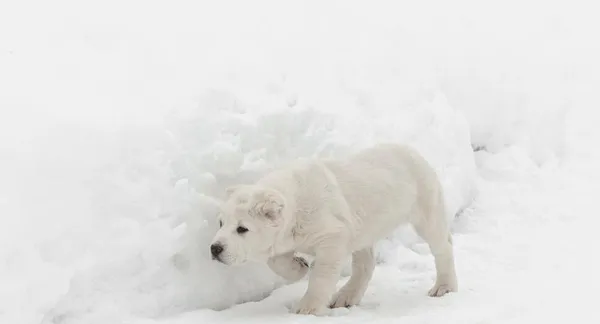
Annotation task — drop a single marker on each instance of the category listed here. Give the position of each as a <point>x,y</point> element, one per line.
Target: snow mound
<point>154,204</point>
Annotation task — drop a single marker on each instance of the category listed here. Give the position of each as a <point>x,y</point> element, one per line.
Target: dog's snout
<point>216,249</point>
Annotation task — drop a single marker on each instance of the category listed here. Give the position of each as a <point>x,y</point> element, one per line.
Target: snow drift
<point>154,214</point>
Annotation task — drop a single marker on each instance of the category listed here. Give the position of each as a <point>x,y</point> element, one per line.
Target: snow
<point>122,122</point>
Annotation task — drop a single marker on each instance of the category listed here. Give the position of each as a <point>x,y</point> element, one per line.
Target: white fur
<point>332,209</point>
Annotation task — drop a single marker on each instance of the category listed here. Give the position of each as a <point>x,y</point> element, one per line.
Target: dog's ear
<point>271,204</point>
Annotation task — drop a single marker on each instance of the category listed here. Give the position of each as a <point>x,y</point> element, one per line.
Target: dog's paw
<point>291,268</point>
<point>309,307</point>
<point>439,290</point>
<point>301,261</point>
<point>297,270</point>
<point>345,298</point>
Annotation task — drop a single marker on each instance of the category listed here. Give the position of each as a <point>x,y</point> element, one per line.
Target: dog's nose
<point>216,249</point>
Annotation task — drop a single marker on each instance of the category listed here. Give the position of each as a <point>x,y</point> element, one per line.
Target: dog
<point>331,209</point>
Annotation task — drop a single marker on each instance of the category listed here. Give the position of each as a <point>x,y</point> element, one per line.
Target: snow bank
<point>154,205</point>
<point>125,120</point>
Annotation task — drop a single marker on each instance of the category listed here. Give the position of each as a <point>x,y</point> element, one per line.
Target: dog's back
<point>385,186</point>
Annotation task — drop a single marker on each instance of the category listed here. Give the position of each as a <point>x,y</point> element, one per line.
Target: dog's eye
<point>241,230</point>
<point>220,223</point>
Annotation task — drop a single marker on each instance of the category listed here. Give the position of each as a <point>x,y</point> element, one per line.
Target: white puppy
<point>333,208</point>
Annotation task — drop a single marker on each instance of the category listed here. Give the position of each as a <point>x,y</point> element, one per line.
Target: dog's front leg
<point>323,278</point>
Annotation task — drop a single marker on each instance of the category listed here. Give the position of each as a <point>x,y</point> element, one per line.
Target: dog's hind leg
<point>363,265</point>
<point>434,230</point>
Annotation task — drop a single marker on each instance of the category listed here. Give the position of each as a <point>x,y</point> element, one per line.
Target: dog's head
<point>250,219</point>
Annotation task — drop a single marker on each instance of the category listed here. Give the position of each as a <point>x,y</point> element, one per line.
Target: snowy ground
<point>122,121</point>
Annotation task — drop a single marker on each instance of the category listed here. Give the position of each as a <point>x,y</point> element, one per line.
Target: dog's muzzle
<point>215,250</point>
